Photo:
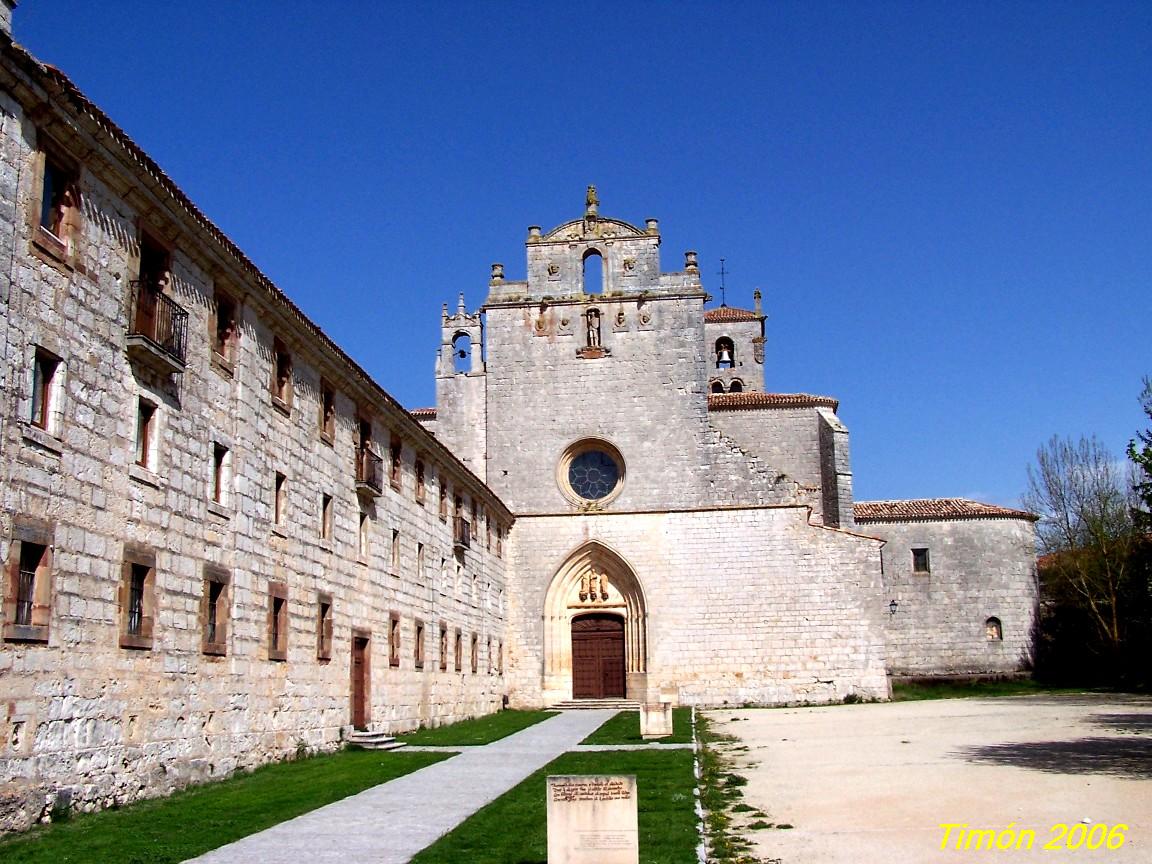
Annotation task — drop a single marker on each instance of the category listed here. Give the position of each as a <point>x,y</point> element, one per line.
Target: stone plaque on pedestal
<point>592,819</point>
<point>656,720</point>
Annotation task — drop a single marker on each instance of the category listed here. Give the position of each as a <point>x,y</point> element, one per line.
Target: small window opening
<point>280,499</point>
<point>421,491</point>
<point>43,376</point>
<point>395,452</point>
<point>326,517</point>
<point>220,465</point>
<point>394,640</point>
<point>31,559</point>
<point>725,353</point>
<point>324,627</point>
<point>60,196</point>
<point>138,579</point>
<point>281,373</point>
<point>327,412</point>
<point>363,544</point>
<point>737,386</point>
<point>443,647</point>
<point>395,552</point>
<point>227,328</point>
<point>717,386</point>
<point>920,561</point>
<point>418,647</point>
<point>145,432</point>
<point>593,272</point>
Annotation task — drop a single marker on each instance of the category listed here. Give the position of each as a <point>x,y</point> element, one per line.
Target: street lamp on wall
<point>892,607</point>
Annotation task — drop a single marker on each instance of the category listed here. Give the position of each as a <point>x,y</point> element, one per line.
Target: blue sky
<point>947,206</point>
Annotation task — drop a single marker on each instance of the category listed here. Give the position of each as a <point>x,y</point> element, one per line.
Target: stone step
<point>595,704</point>
<point>374,741</point>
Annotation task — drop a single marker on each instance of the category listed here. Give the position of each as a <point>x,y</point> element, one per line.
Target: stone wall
<point>86,715</point>
<point>977,569</point>
<point>748,605</point>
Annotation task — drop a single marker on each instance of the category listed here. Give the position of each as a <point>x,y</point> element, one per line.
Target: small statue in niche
<point>593,316</point>
<point>603,586</point>
<point>585,587</point>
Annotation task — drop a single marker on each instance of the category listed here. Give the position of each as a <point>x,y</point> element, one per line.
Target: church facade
<point>224,543</point>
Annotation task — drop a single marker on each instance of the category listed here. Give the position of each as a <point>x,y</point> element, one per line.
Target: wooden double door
<point>598,657</point>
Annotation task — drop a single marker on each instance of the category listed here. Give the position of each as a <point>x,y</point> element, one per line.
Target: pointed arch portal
<point>595,628</point>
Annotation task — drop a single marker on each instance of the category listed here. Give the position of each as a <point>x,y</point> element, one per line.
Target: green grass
<point>480,730</point>
<point>909,692</point>
<point>624,728</point>
<point>202,818</point>
<point>513,829</point>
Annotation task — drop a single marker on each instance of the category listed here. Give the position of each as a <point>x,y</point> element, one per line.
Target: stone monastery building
<point>223,541</point>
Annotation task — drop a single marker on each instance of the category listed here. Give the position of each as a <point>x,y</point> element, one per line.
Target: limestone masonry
<point>226,544</point>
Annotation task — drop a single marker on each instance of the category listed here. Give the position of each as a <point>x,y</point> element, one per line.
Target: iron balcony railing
<point>462,533</point>
<point>369,471</point>
<point>159,319</point>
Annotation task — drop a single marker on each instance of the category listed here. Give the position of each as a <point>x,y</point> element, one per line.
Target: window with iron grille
<point>28,586</point>
<point>215,611</point>
<point>137,598</point>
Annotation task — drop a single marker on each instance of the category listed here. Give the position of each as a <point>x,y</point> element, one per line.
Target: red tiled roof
<point>729,315</point>
<point>423,413</point>
<point>933,508</point>
<point>755,399</point>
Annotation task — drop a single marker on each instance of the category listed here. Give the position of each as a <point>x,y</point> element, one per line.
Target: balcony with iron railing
<point>158,328</point>
<point>461,533</point>
<point>369,473</point>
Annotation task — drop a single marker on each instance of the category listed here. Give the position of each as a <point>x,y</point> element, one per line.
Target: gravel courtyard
<point>872,783</point>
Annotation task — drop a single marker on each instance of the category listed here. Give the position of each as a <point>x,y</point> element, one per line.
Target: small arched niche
<point>993,630</point>
<point>725,353</point>
<point>593,272</point>
<point>461,353</point>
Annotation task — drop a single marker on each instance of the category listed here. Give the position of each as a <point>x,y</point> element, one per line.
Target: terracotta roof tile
<point>755,399</point>
<point>423,413</point>
<point>918,509</point>
<point>729,315</point>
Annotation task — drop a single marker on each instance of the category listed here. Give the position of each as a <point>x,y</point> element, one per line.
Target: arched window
<point>461,352</point>
<point>725,353</point>
<point>593,272</point>
<point>737,386</point>
<point>717,386</point>
<point>993,631</point>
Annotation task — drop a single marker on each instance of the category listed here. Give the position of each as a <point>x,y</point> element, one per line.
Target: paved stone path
<point>390,823</point>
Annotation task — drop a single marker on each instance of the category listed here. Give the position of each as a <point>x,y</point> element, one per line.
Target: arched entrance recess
<point>594,584</point>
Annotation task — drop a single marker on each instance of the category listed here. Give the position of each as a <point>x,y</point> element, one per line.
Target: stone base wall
<point>977,569</point>
<point>747,605</point>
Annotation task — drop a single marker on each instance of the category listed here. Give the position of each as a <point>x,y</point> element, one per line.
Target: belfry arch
<point>594,582</point>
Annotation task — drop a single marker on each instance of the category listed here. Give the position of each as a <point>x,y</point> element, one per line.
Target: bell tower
<point>462,420</point>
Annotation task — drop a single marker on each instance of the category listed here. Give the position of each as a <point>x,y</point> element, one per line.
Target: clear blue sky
<point>948,206</point>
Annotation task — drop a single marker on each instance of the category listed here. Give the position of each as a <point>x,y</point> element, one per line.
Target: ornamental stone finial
<point>591,202</point>
<point>497,272</point>
<point>756,301</point>
<point>691,262</point>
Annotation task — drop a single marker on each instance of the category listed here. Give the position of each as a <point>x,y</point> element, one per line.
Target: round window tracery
<point>591,472</point>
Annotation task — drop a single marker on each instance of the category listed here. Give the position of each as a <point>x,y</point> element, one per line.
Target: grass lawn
<point>908,692</point>
<point>624,728</point>
<point>197,820</point>
<point>480,730</point>
<point>513,829</point>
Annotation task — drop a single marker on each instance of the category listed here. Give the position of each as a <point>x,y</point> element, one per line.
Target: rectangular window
<point>28,588</point>
<point>363,545</point>
<point>488,533</point>
<point>137,598</point>
<point>395,476</point>
<point>281,376</point>
<point>43,390</point>
<point>443,646</point>
<point>920,561</point>
<point>214,612</point>
<point>499,542</point>
<point>395,571</point>
<point>394,639</point>
<point>475,653</point>
<point>325,517</point>
<point>459,651</point>
<point>443,499</point>
<point>491,665</point>
<point>500,658</point>
<point>221,469</point>
<point>323,626</point>
<point>421,493</point>
<point>279,499</point>
<point>418,648</point>
<point>226,329</point>
<point>145,433</point>
<point>327,412</point>
<point>59,197</point>
<point>277,621</point>
<point>420,563</point>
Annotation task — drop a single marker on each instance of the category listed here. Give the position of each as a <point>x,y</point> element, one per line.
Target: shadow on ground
<point>1129,758</point>
<point>1138,724</point>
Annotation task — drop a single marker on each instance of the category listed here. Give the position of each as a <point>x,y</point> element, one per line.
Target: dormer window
<point>725,353</point>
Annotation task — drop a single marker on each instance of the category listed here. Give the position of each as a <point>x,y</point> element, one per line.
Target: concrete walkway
<point>390,823</point>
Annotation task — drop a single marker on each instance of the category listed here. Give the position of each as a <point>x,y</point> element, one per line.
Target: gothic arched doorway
<point>595,628</point>
<point>598,656</point>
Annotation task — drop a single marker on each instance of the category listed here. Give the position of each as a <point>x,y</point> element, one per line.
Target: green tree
<point>1085,501</point>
